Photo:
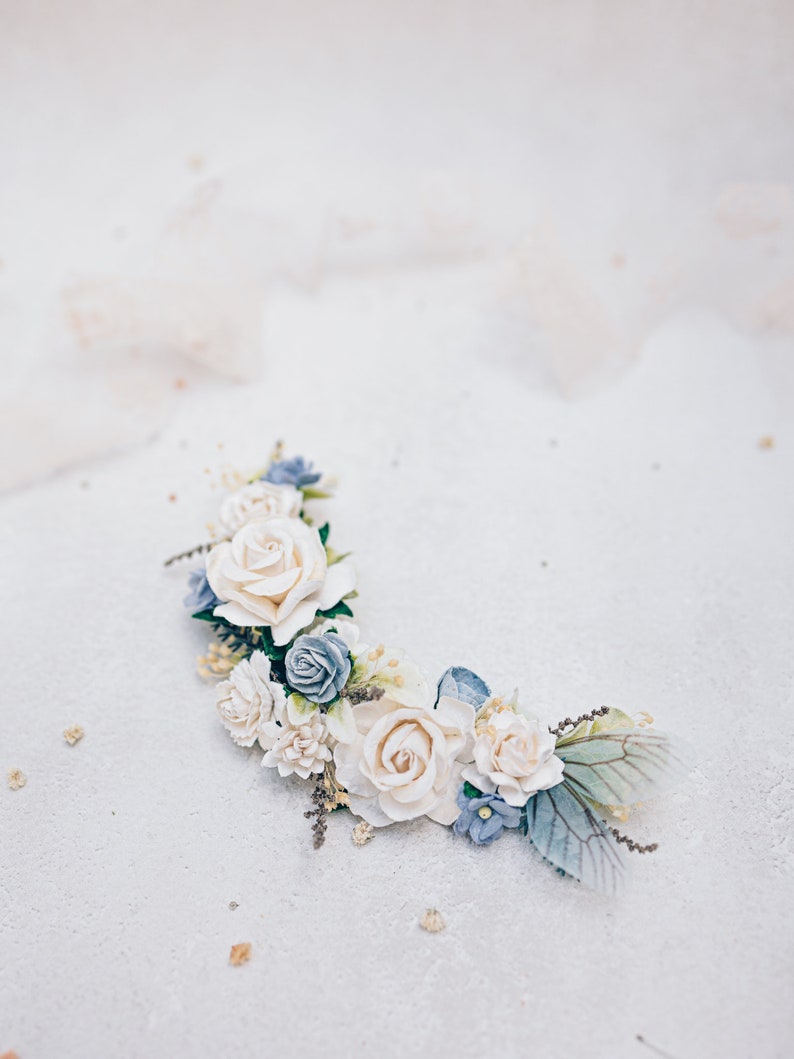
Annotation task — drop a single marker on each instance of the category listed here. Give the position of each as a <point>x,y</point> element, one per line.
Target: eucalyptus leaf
<point>566,831</point>
<point>621,766</point>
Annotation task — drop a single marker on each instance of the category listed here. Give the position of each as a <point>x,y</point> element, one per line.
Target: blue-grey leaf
<point>460,683</point>
<point>621,766</point>
<point>564,828</point>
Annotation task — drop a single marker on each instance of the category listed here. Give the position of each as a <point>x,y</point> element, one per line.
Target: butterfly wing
<point>621,766</point>
<point>566,831</point>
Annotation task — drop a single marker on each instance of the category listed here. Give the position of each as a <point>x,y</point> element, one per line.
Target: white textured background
<point>595,523</point>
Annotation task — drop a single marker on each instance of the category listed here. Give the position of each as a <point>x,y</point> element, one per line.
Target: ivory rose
<point>274,572</point>
<point>259,500</point>
<point>402,762</point>
<point>514,756</point>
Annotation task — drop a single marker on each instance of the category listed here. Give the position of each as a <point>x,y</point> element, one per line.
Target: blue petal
<point>483,832</point>
<point>460,683</point>
<point>511,816</point>
<point>291,472</point>
<point>464,822</point>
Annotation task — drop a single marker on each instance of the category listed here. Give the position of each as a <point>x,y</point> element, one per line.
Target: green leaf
<point>567,832</point>
<point>470,790</point>
<point>207,615</point>
<point>339,609</point>
<point>335,557</point>
<point>310,493</point>
<point>621,766</point>
<point>324,530</point>
<point>274,652</point>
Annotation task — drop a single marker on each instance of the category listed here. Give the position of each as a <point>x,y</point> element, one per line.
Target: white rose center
<point>402,754</point>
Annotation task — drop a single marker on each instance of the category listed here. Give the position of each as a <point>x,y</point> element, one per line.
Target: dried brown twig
<point>197,550</point>
<point>568,723</point>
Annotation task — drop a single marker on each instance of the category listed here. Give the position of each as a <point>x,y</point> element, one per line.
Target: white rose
<point>274,572</point>
<point>259,500</point>
<point>301,748</point>
<point>402,763</point>
<point>248,699</point>
<point>514,756</point>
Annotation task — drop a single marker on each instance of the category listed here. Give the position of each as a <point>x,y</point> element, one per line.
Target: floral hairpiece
<point>361,721</point>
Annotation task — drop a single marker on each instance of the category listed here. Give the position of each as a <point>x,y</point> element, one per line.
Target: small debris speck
<point>767,442</point>
<point>16,779</point>
<point>179,384</point>
<point>11,1054</point>
<point>362,833</point>
<point>240,953</point>
<point>172,498</point>
<point>233,905</point>
<point>432,921</point>
<point>73,735</point>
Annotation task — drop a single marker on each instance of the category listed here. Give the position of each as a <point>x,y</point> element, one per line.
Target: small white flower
<point>249,699</point>
<point>259,500</point>
<point>338,718</point>
<point>348,630</point>
<point>514,757</point>
<point>301,749</point>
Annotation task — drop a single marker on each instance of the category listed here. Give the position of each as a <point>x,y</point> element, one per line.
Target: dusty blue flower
<point>483,818</point>
<point>201,595</point>
<point>460,683</point>
<point>295,472</point>
<point>318,667</point>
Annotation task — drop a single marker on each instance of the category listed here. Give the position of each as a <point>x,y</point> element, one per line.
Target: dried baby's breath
<point>73,734</point>
<point>240,953</point>
<point>362,833</point>
<point>432,921</point>
<point>16,779</point>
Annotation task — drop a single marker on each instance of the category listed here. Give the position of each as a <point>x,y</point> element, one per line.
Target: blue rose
<point>201,595</point>
<point>484,818</point>
<point>295,472</point>
<point>318,667</point>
